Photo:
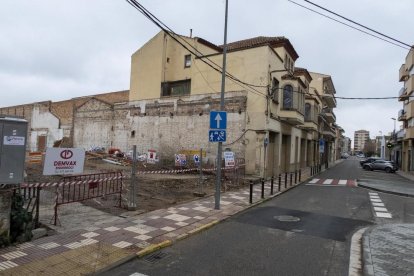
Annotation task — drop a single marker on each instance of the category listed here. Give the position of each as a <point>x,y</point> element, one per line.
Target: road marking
<point>342,182</point>
<point>328,181</point>
<point>314,180</point>
<point>379,207</point>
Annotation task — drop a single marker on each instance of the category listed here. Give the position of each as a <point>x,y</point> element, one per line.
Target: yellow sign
<point>192,152</point>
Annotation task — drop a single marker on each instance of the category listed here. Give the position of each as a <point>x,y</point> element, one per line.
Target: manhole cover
<point>153,258</point>
<point>287,218</point>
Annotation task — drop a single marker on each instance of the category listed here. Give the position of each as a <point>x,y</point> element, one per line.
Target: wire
<point>356,23</point>
<point>160,24</point>
<point>395,44</point>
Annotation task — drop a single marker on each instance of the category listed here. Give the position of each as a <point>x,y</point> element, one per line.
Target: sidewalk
<point>389,249</point>
<point>111,242</point>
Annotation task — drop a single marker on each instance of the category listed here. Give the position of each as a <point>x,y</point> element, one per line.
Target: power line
<point>350,26</point>
<point>356,23</point>
<point>169,32</point>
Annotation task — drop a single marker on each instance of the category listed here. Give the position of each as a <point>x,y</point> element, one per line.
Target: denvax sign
<point>60,161</point>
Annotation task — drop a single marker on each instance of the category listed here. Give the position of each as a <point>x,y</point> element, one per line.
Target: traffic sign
<point>217,135</point>
<point>321,145</point>
<point>218,119</point>
<point>196,158</point>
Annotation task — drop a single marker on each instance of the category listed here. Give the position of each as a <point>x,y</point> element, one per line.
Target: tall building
<point>360,138</point>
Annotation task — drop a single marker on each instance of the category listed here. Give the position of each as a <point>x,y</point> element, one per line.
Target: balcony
<point>409,60</point>
<point>409,133</point>
<point>409,85</point>
<point>403,73</point>
<point>401,134</point>
<point>310,126</point>
<point>402,96</point>
<point>328,133</point>
<point>409,110</point>
<point>292,117</point>
<point>329,99</point>
<point>401,115</point>
<point>329,115</point>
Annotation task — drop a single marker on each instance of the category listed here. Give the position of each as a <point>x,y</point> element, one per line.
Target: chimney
<point>191,33</point>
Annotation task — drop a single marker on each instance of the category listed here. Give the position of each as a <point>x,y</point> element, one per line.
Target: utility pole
<point>223,86</point>
<point>131,204</point>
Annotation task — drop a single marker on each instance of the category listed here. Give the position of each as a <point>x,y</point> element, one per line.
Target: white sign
<point>229,159</point>
<point>63,161</point>
<point>152,157</point>
<point>13,140</point>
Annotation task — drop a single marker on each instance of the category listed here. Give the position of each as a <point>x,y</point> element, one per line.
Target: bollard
<point>296,176</point>
<point>280,181</point>
<point>263,187</point>
<point>300,174</point>
<point>251,192</point>
<point>291,178</point>
<point>285,180</point>
<point>271,185</point>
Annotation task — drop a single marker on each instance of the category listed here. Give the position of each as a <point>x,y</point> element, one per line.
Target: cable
<point>160,24</point>
<point>356,23</point>
<point>395,44</point>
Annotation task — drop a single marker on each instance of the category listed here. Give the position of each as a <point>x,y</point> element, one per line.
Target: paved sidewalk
<point>399,188</point>
<point>109,243</point>
<point>389,249</point>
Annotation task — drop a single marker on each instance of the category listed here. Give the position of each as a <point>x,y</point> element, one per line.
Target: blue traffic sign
<point>217,136</point>
<point>218,119</point>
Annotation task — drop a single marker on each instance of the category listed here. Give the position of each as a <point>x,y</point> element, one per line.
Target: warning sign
<point>180,160</point>
<point>60,161</point>
<point>229,159</point>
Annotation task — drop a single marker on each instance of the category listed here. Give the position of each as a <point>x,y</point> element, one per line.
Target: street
<point>305,231</point>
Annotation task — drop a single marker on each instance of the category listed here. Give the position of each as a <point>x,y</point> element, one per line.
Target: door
<point>41,143</point>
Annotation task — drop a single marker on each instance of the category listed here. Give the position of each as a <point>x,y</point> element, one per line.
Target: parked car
<point>344,155</point>
<point>368,160</point>
<point>383,165</point>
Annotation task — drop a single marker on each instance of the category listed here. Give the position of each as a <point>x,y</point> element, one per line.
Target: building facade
<point>406,115</point>
<point>360,139</point>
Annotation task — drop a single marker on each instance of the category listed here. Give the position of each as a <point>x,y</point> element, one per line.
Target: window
<point>275,90</point>
<point>176,88</point>
<point>308,109</point>
<point>187,61</point>
<point>288,97</point>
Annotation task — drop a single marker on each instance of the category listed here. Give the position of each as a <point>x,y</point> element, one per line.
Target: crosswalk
<point>332,182</point>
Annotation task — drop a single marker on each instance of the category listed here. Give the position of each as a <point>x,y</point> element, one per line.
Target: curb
<point>385,191</point>
<point>150,249</point>
<point>113,265</point>
<point>368,266</point>
<point>356,253</point>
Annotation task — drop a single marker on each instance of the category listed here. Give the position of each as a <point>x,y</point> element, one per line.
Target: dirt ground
<point>153,191</point>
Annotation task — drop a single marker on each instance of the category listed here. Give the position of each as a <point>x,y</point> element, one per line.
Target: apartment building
<point>360,139</point>
<point>275,120</point>
<point>406,115</point>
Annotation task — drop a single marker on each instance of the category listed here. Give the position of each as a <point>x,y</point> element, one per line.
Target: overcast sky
<point>57,50</point>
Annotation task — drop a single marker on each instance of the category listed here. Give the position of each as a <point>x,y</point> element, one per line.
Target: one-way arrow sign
<point>218,120</point>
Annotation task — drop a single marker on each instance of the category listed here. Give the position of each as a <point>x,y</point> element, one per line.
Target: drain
<point>287,218</point>
<point>153,258</point>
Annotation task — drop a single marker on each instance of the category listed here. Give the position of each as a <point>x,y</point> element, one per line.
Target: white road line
<point>328,181</point>
<point>378,204</point>
<point>314,180</point>
<point>376,200</point>
<point>380,209</point>
<point>383,215</point>
<point>342,182</point>
<point>370,193</point>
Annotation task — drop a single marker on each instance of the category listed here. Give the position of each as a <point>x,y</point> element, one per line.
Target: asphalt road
<point>306,231</point>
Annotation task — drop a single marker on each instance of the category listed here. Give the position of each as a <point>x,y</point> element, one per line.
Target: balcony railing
<point>401,115</point>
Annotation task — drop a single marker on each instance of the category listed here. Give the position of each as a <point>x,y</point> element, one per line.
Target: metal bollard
<point>251,192</point>
<point>271,185</point>
<point>296,176</point>
<point>300,174</point>
<point>285,180</point>
<point>291,178</point>
<point>280,181</point>
<point>263,187</point>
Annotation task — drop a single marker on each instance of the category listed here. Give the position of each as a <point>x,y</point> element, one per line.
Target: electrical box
<point>13,133</point>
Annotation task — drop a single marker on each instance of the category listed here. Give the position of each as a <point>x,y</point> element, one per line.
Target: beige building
<point>360,139</point>
<point>275,121</point>
<point>406,115</point>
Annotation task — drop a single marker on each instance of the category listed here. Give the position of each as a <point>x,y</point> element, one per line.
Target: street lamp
<point>393,136</point>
